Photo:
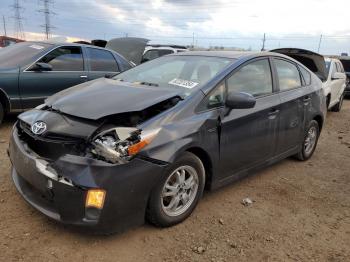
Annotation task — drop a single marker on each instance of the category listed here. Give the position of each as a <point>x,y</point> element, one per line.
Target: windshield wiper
<point>148,84</point>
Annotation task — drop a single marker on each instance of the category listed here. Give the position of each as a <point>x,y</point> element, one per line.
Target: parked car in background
<point>32,71</point>
<point>345,60</point>
<point>111,152</point>
<point>7,41</point>
<point>154,51</point>
<point>329,70</point>
<point>139,51</point>
<point>335,84</point>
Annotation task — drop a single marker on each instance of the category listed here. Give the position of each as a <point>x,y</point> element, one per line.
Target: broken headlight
<point>118,145</point>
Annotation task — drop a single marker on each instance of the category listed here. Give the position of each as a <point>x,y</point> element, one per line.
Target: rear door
<point>67,70</point>
<point>294,101</point>
<point>101,63</point>
<point>338,85</point>
<point>248,136</point>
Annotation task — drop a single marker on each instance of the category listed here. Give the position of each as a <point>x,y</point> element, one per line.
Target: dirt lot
<point>301,213</point>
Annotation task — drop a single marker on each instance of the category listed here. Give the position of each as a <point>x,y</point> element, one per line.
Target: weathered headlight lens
<point>118,145</point>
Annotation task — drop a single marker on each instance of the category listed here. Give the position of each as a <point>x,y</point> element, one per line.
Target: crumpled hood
<point>103,97</point>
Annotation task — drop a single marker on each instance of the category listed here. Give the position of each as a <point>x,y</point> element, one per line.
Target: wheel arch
<point>5,101</point>
<point>319,119</point>
<point>206,161</point>
<point>328,100</point>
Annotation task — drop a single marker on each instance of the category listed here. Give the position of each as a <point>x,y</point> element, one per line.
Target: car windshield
<point>184,72</point>
<point>20,54</point>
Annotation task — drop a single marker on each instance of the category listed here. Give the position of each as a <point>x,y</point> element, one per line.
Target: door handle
<point>273,112</point>
<point>83,76</point>
<point>306,99</point>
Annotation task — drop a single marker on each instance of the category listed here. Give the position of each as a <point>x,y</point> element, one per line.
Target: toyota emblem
<point>38,128</point>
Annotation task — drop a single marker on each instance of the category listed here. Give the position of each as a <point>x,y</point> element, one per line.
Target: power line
<point>47,14</point>
<point>17,8</point>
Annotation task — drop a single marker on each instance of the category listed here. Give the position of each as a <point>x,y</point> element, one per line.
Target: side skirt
<point>249,171</point>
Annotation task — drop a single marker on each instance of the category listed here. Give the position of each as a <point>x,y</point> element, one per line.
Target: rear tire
<point>309,142</point>
<point>2,113</point>
<point>178,192</point>
<point>338,106</point>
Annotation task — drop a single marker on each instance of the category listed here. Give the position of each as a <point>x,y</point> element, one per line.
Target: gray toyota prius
<point>111,153</point>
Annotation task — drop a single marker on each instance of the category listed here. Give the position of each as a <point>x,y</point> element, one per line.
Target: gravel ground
<point>301,212</point>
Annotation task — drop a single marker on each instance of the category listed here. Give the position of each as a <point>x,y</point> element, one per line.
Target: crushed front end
<point>83,172</point>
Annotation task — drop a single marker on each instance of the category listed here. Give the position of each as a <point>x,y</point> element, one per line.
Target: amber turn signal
<point>95,198</point>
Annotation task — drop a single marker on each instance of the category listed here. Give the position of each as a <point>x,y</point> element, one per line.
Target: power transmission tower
<point>263,43</point>
<point>4,24</point>
<point>47,14</point>
<point>17,8</point>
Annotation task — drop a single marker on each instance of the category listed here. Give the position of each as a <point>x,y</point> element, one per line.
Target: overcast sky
<point>239,23</point>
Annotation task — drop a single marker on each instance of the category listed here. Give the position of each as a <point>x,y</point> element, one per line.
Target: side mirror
<point>240,100</point>
<point>41,67</point>
<point>338,75</point>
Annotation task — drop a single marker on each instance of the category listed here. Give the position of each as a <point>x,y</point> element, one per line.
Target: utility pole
<point>4,24</point>
<point>263,43</point>
<point>17,8</point>
<point>47,14</point>
<point>319,43</point>
<point>193,40</point>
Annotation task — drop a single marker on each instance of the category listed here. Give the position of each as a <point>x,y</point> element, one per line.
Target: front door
<point>67,70</point>
<point>248,136</point>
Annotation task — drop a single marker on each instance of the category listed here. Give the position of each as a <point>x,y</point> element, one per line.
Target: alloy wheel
<point>310,140</point>
<point>179,191</point>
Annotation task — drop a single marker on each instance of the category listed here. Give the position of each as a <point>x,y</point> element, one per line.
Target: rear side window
<point>101,60</point>
<point>67,58</point>
<point>338,68</point>
<point>288,75</point>
<point>253,78</point>
<point>306,75</point>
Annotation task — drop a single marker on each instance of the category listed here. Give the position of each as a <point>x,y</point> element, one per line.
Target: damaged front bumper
<point>58,188</point>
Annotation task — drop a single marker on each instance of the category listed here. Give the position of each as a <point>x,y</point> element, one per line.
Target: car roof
<point>230,54</point>
<point>68,44</point>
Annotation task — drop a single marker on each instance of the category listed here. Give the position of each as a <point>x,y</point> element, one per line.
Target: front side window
<point>288,75</point>
<point>216,98</point>
<point>253,78</point>
<point>68,58</point>
<point>101,60</point>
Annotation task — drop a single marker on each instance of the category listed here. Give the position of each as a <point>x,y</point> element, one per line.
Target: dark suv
<point>32,71</point>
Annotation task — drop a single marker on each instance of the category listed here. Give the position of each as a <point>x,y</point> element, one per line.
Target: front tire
<point>178,192</point>
<point>309,142</point>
